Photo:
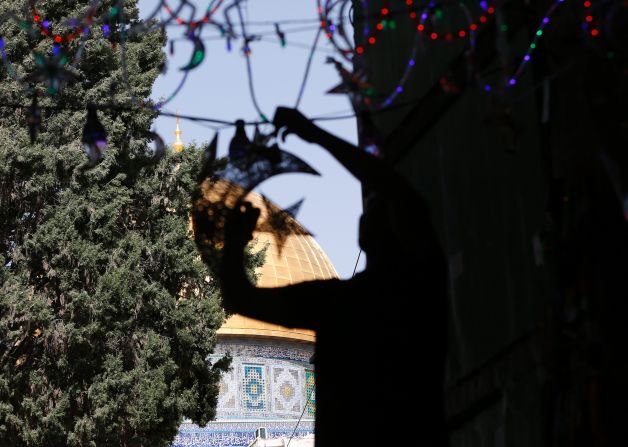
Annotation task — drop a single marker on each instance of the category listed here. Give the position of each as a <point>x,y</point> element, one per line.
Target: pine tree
<point>107,314</point>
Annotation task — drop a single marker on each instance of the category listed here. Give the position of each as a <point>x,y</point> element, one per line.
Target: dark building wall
<point>526,191</point>
<point>479,163</point>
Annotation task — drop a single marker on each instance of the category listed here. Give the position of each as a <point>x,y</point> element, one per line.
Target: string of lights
<point>511,81</point>
<point>429,18</point>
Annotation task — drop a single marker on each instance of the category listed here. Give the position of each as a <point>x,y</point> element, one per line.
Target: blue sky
<point>219,89</point>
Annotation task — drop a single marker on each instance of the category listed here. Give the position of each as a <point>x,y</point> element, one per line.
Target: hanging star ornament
<point>351,82</point>
<point>260,163</point>
<point>250,163</point>
<point>51,71</point>
<point>281,223</point>
<point>209,159</point>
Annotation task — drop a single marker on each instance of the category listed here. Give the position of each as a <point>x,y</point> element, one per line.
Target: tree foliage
<point>107,314</point>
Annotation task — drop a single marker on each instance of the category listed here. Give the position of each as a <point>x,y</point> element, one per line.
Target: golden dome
<point>301,259</point>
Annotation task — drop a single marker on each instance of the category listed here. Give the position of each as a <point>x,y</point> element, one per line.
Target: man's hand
<point>295,122</point>
<point>240,224</point>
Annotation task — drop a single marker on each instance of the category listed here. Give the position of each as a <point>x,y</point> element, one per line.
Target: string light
<point>512,80</point>
<point>527,57</point>
<point>420,18</point>
<point>590,24</point>
<point>212,7</point>
<point>78,26</point>
<point>331,17</point>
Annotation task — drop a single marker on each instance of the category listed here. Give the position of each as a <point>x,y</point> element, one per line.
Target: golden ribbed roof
<point>301,259</point>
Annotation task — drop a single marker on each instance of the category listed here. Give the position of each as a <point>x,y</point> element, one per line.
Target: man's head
<point>376,226</point>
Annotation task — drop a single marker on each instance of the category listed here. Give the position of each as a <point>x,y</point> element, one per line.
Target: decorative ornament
<point>209,12</point>
<point>94,138</point>
<point>370,138</point>
<point>511,81</point>
<point>209,158</point>
<point>240,143</point>
<point>280,35</point>
<point>209,154</point>
<point>50,71</point>
<point>113,27</point>
<point>591,23</point>
<point>250,164</point>
<point>434,12</point>
<point>198,55</point>
<point>353,84</point>
<point>160,146</point>
<point>78,26</point>
<point>280,223</point>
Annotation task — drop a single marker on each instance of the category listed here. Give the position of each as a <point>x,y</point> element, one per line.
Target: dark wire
<point>249,70</point>
<point>326,117</point>
<point>197,118</point>
<point>300,45</point>
<point>307,67</point>
<point>259,34</point>
<point>356,263</point>
<point>300,417</point>
<point>117,107</point>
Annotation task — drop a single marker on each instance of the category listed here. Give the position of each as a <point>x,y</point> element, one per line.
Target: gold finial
<point>177,146</point>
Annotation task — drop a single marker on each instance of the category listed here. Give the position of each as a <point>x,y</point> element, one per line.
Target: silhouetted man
<point>381,335</point>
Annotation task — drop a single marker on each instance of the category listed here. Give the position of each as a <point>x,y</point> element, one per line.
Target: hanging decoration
<point>94,138</point>
<point>281,223</point>
<point>370,139</point>
<point>159,149</point>
<point>212,7</point>
<point>240,143</point>
<point>209,154</point>
<point>198,54</point>
<point>77,26</point>
<point>429,19</point>
<point>113,26</point>
<point>510,81</point>
<point>281,36</point>
<point>353,84</point>
<point>51,71</point>
<point>434,22</point>
<point>591,23</point>
<point>249,164</point>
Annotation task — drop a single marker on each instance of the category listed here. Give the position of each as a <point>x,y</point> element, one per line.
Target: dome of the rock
<point>271,382</point>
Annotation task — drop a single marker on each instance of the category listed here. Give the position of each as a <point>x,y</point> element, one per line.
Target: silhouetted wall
<point>528,218</point>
